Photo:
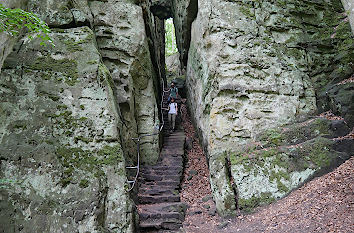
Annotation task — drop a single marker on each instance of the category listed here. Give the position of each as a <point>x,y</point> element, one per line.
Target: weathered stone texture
<point>62,13</point>
<point>349,9</point>
<point>123,44</point>
<point>184,13</point>
<point>68,116</point>
<point>281,159</point>
<point>255,65</point>
<point>62,164</point>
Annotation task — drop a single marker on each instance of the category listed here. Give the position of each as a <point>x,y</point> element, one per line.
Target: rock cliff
<point>62,163</point>
<point>69,113</point>
<point>254,65</point>
<point>256,71</point>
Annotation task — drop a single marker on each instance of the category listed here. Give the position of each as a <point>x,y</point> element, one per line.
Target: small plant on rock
<point>12,21</point>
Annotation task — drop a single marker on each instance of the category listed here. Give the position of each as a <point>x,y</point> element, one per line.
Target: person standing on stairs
<point>172,113</point>
<point>173,92</point>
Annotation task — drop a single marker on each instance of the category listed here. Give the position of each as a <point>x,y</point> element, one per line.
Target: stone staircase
<point>160,207</point>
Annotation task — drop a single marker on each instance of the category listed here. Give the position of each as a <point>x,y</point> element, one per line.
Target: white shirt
<point>173,108</point>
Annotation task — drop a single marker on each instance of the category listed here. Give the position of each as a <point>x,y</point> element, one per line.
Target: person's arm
<point>176,108</point>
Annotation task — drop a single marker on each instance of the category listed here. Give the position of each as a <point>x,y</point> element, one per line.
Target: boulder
<point>282,159</point>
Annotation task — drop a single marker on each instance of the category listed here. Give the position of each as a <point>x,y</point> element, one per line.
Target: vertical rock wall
<point>122,41</point>
<point>68,114</point>
<point>254,65</point>
<point>155,30</point>
<point>62,163</point>
<point>184,12</point>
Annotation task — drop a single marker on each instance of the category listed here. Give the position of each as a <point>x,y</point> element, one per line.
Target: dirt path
<point>326,204</point>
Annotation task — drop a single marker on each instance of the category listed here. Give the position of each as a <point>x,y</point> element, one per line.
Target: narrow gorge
<point>269,86</point>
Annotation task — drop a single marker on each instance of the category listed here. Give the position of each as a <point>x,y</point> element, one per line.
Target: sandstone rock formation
<point>253,68</point>
<point>255,65</point>
<point>349,9</point>
<point>69,113</point>
<point>281,159</point>
<point>61,155</point>
<point>184,13</point>
<point>123,44</point>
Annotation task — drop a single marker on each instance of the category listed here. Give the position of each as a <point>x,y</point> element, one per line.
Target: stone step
<point>158,191</point>
<point>168,158</point>
<point>165,215</point>
<point>163,183</point>
<point>162,210</point>
<point>172,151</point>
<point>150,199</point>
<point>161,168</point>
<point>177,169</point>
<point>171,162</point>
<point>148,177</point>
<point>157,224</point>
<point>159,172</point>
<point>143,186</point>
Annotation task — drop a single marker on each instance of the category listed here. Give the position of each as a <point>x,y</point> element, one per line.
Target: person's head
<point>172,85</point>
<point>172,100</point>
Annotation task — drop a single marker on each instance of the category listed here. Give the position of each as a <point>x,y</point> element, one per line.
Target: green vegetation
<point>12,21</point>
<point>84,183</point>
<point>6,183</point>
<point>170,38</point>
<point>73,158</point>
<point>248,205</point>
<point>65,66</point>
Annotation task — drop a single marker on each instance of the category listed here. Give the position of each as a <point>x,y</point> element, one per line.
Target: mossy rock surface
<point>59,139</point>
<point>284,158</point>
<point>298,133</point>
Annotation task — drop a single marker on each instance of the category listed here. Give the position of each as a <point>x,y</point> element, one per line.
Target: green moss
<point>247,12</point>
<point>19,125</point>
<point>53,97</point>
<point>272,137</point>
<point>83,139</point>
<point>90,161</point>
<point>267,153</point>
<point>230,205</point>
<point>65,120</point>
<point>248,205</point>
<point>45,76</point>
<point>93,62</point>
<point>84,183</point>
<point>74,45</point>
<point>82,107</point>
<point>111,155</point>
<point>282,187</point>
<point>62,107</point>
<point>65,181</point>
<point>237,158</point>
<point>66,66</point>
